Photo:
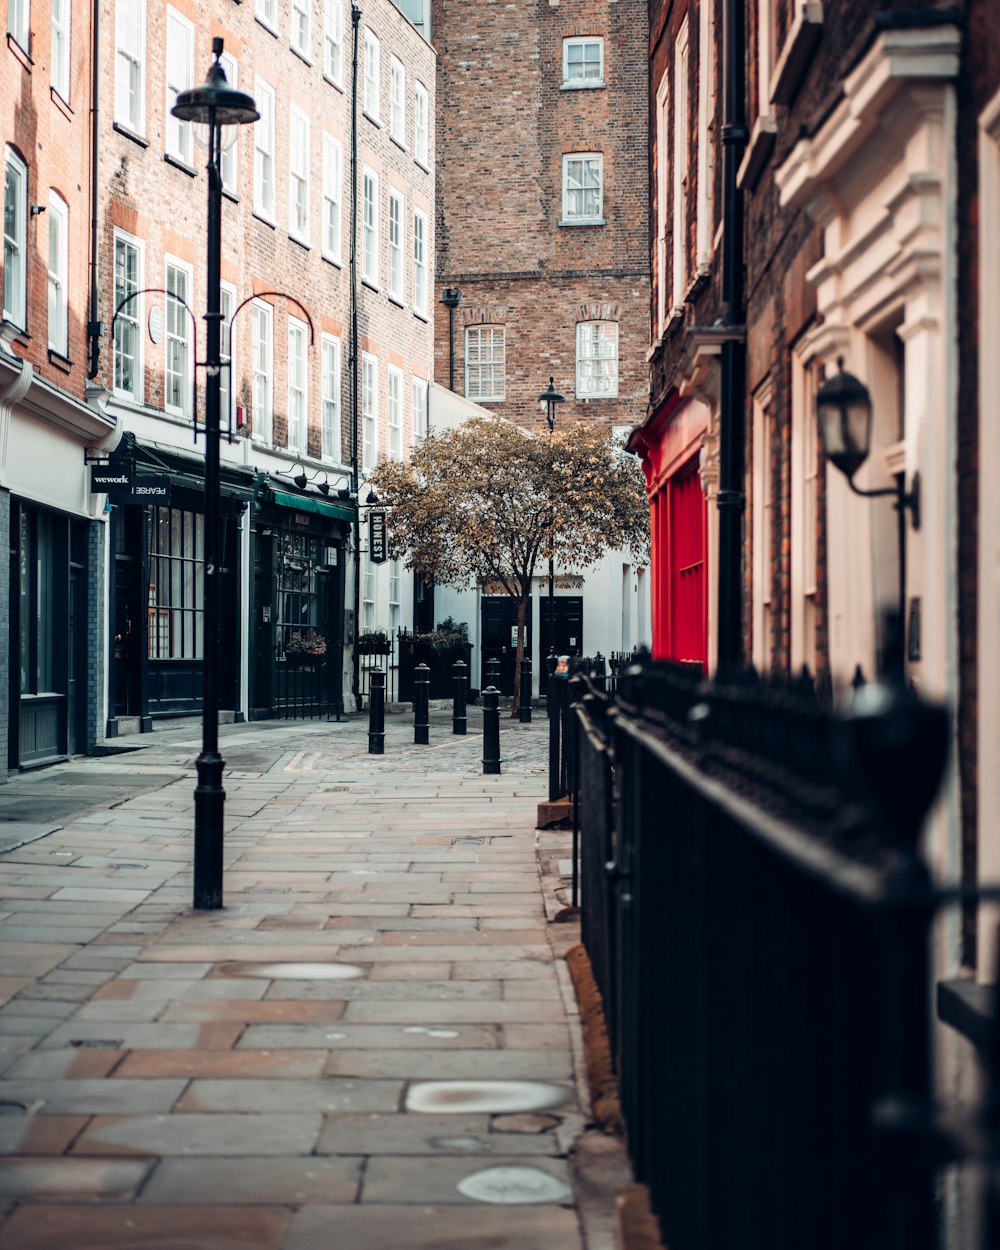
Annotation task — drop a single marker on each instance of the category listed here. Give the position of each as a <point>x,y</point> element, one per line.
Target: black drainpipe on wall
<point>354,362</point>
<point>732,402</point>
<point>94,327</point>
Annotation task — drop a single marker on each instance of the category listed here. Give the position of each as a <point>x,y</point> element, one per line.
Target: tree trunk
<point>522,614</point>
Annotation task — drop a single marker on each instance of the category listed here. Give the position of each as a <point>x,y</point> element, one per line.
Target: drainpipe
<point>95,328</point>
<point>354,361</point>
<point>732,403</point>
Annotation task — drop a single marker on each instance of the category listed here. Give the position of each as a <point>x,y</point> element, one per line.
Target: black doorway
<point>569,625</point>
<point>499,638</point>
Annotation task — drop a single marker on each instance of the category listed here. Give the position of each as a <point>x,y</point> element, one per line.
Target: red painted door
<point>687,613</point>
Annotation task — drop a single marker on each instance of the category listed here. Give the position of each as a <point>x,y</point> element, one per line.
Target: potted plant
<point>374,642</point>
<point>305,648</point>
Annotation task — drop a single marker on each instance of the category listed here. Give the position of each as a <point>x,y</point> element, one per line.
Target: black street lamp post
<point>451,299</point>
<point>220,109</point>
<point>549,398</point>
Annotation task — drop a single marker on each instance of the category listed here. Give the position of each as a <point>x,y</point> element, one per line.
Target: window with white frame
<point>681,165</point>
<point>597,360</point>
<point>394,394</point>
<point>767,53</point>
<point>263,151</point>
<point>130,64</point>
<point>397,101</point>
<point>763,529</point>
<point>227,306</point>
<point>59,69</point>
<point>420,426</point>
<point>583,62</point>
<point>332,183</point>
<point>368,596</point>
<point>583,189</point>
<point>421,125</point>
<point>805,484</point>
<point>396,284</point>
<point>298,176</point>
<point>263,371</point>
<point>19,21</point>
<point>177,361</point>
<point>127,316</point>
<point>298,384</point>
<point>330,367</point>
<point>369,411</point>
<point>15,253</point>
<point>301,12</point>
<point>179,75</point>
<point>664,278</point>
<point>485,362</point>
<point>228,156</point>
<point>705,212</point>
<point>420,262</point>
<point>266,11</point>
<point>369,227</point>
<point>58,216</point>
<point>395,585</point>
<point>333,40</point>
<point>372,75</point>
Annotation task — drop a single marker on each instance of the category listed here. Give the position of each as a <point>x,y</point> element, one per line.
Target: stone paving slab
<point>405,1179</point>
<point>226,1135</point>
<point>96,1179</point>
<point>39,1227</point>
<point>428,1228</point>
<point>464,1135</point>
<point>254,1181</point>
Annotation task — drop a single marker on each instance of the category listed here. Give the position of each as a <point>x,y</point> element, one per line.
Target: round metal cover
<point>513,1186</point>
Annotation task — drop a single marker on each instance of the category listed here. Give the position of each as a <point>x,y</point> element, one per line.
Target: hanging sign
<point>122,487</point>
<point>376,537</point>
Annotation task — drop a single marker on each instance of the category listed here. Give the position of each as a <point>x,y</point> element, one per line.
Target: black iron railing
<point>383,658</point>
<point>303,689</point>
<point>757,919</point>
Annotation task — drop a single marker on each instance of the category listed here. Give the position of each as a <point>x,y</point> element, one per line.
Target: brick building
<point>51,527</point>
<point>329,346</point>
<point>542,222</point>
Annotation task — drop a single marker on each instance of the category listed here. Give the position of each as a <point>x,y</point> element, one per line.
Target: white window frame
<point>397,232</point>
<point>421,125</point>
<point>58,219</point>
<point>262,415</point>
<point>227,354</point>
<point>330,366</point>
<point>170,337</point>
<point>131,316</point>
<point>592,334</point>
<point>263,152</point>
<point>664,283</point>
<point>421,426</point>
<point>368,595</point>
<point>804,513</point>
<point>19,22</point>
<point>369,226</point>
<point>705,203</point>
<point>681,163</point>
<point>59,74</point>
<point>266,12</point>
<point>15,245</point>
<point>763,521</point>
<point>397,101</point>
<point>298,175</point>
<point>579,82</point>
<point>420,271</point>
<point>130,65</point>
<point>582,219</point>
<point>474,368</point>
<point>395,584</point>
<point>178,69</point>
<point>331,229</point>
<point>297,431</point>
<point>333,42</point>
<point>394,401</point>
<point>372,79</point>
<point>369,412</point>
<point>229,157</point>
<point>300,34</point>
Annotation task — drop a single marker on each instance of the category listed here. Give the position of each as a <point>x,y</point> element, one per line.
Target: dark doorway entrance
<point>499,638</point>
<point>568,611</point>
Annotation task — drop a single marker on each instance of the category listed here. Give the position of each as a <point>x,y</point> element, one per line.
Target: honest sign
<point>376,537</point>
<point>123,488</point>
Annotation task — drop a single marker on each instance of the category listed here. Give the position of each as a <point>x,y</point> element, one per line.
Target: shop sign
<point>376,537</point>
<point>121,487</point>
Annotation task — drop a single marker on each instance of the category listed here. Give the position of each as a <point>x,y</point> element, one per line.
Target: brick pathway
<point>373,1046</point>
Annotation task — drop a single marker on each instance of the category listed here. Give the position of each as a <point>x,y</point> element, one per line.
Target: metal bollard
<point>421,690</point>
<point>491,730</point>
<point>460,680</point>
<point>493,673</point>
<point>376,713</point>
<point>550,668</point>
<point>553,698</point>
<point>524,712</point>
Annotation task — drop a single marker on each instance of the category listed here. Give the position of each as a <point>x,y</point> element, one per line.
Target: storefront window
<point>176,584</point>
<point>35,592</point>
<point>299,556</point>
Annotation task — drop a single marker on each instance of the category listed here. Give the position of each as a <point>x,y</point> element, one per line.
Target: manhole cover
<point>261,889</point>
<point>495,1096</point>
<point>467,841</point>
<point>513,1186</point>
<point>129,865</point>
<point>13,1108</point>
<point>293,972</point>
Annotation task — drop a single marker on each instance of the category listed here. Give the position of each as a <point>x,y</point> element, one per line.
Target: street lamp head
<point>324,486</point>
<point>844,411</point>
<point>451,297</point>
<point>548,399</point>
<point>215,103</point>
<point>300,479</point>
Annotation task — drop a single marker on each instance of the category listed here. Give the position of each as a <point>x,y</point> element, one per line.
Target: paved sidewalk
<point>372,1046</point>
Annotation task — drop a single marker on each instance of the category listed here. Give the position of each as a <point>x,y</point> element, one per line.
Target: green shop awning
<point>306,503</point>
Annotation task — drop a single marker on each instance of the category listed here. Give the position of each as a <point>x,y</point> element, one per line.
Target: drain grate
<point>97,1043</point>
<point>265,889</point>
<point>13,1108</point>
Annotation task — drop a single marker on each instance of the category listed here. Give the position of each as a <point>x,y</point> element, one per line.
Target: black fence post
<point>524,712</point>
<point>491,730</point>
<point>421,720</point>
<point>554,700</point>
<point>460,680</point>
<point>550,668</point>
<point>376,712</point>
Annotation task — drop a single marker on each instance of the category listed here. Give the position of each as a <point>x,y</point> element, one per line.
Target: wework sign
<point>376,537</point>
<point>122,487</point>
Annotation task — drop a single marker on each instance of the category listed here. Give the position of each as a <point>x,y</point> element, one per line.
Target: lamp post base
<point>209,807</point>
